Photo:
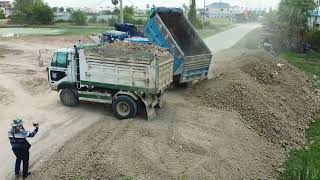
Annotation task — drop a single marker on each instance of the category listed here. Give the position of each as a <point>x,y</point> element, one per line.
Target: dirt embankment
<point>238,125</point>
<point>274,98</point>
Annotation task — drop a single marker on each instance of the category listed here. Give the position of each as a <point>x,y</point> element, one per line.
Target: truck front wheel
<point>124,107</point>
<point>69,98</point>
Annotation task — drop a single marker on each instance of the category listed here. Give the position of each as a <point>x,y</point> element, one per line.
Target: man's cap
<point>17,122</point>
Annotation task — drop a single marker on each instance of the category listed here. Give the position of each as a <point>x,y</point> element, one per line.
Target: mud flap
<point>151,113</point>
<point>150,103</point>
<point>161,101</point>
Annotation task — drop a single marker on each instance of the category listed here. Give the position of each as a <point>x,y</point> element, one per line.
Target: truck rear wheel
<point>69,98</point>
<point>124,107</point>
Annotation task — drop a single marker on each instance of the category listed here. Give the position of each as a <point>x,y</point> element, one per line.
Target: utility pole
<point>219,9</point>
<point>204,10</point>
<point>121,11</point>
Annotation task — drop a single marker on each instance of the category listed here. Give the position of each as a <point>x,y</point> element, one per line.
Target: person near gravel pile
<point>20,146</point>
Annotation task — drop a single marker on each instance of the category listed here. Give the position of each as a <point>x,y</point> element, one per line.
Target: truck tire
<point>69,98</point>
<point>124,107</point>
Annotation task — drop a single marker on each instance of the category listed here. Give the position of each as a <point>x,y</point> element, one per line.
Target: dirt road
<point>177,128</point>
<point>227,39</point>
<point>25,93</point>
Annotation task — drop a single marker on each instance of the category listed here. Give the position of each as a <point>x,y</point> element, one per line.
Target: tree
<point>192,15</point>
<point>61,9</point>
<point>293,21</point>
<point>31,12</point>
<point>93,19</point>
<point>2,15</point>
<point>116,11</point>
<point>185,7</point>
<point>79,18</point>
<point>55,9</point>
<point>106,12</point>
<point>128,13</point>
<point>69,10</point>
<point>41,13</point>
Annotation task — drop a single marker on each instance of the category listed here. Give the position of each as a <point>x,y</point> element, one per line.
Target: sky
<point>167,3</point>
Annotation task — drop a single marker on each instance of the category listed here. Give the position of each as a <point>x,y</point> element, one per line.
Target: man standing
<point>20,146</point>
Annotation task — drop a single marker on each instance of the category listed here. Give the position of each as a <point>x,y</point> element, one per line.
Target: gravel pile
<point>273,97</point>
<point>125,50</point>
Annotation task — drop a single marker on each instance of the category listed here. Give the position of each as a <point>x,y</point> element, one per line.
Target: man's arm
<point>27,134</point>
<point>33,133</point>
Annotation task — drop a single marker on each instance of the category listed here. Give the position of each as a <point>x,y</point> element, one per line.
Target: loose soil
<point>6,97</point>
<point>274,98</point>
<point>238,125</point>
<point>4,51</point>
<point>126,51</point>
<point>36,85</point>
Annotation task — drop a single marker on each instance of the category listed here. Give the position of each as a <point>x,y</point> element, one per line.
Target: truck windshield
<point>59,60</point>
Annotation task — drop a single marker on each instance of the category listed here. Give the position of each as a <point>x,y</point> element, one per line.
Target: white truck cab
<point>62,68</point>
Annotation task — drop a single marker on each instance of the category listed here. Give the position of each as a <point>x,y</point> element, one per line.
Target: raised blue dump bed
<point>169,28</point>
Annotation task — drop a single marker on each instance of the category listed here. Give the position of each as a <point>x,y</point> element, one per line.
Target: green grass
<point>213,29</point>
<point>305,164</point>
<point>213,26</point>
<point>55,30</point>
<point>308,63</point>
<point>207,32</point>
<point>80,31</point>
<point>71,29</point>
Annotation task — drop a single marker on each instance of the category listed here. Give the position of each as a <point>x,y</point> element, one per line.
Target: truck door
<point>58,70</point>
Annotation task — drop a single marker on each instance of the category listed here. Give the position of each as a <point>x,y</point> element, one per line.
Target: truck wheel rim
<point>69,98</point>
<point>123,109</point>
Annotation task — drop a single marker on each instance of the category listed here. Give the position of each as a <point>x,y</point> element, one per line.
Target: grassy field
<point>305,164</point>
<point>59,29</point>
<point>213,26</point>
<point>207,32</point>
<point>70,29</point>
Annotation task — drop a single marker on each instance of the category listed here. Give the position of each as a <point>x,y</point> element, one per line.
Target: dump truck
<point>169,28</point>
<point>121,74</point>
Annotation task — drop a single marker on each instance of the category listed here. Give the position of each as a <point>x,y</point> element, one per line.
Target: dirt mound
<point>6,97</point>
<point>133,49</point>
<point>35,85</point>
<point>273,97</point>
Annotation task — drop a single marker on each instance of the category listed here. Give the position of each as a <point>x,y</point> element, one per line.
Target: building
<point>218,9</point>
<point>6,7</point>
<point>223,10</point>
<point>314,19</point>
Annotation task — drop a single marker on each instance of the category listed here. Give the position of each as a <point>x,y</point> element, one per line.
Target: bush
<point>79,18</point>
<point>93,19</point>
<point>62,21</point>
<point>313,38</point>
<point>32,12</point>
<point>140,22</point>
<point>103,21</point>
<point>2,15</point>
<point>41,13</point>
<point>128,18</point>
<point>112,21</point>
